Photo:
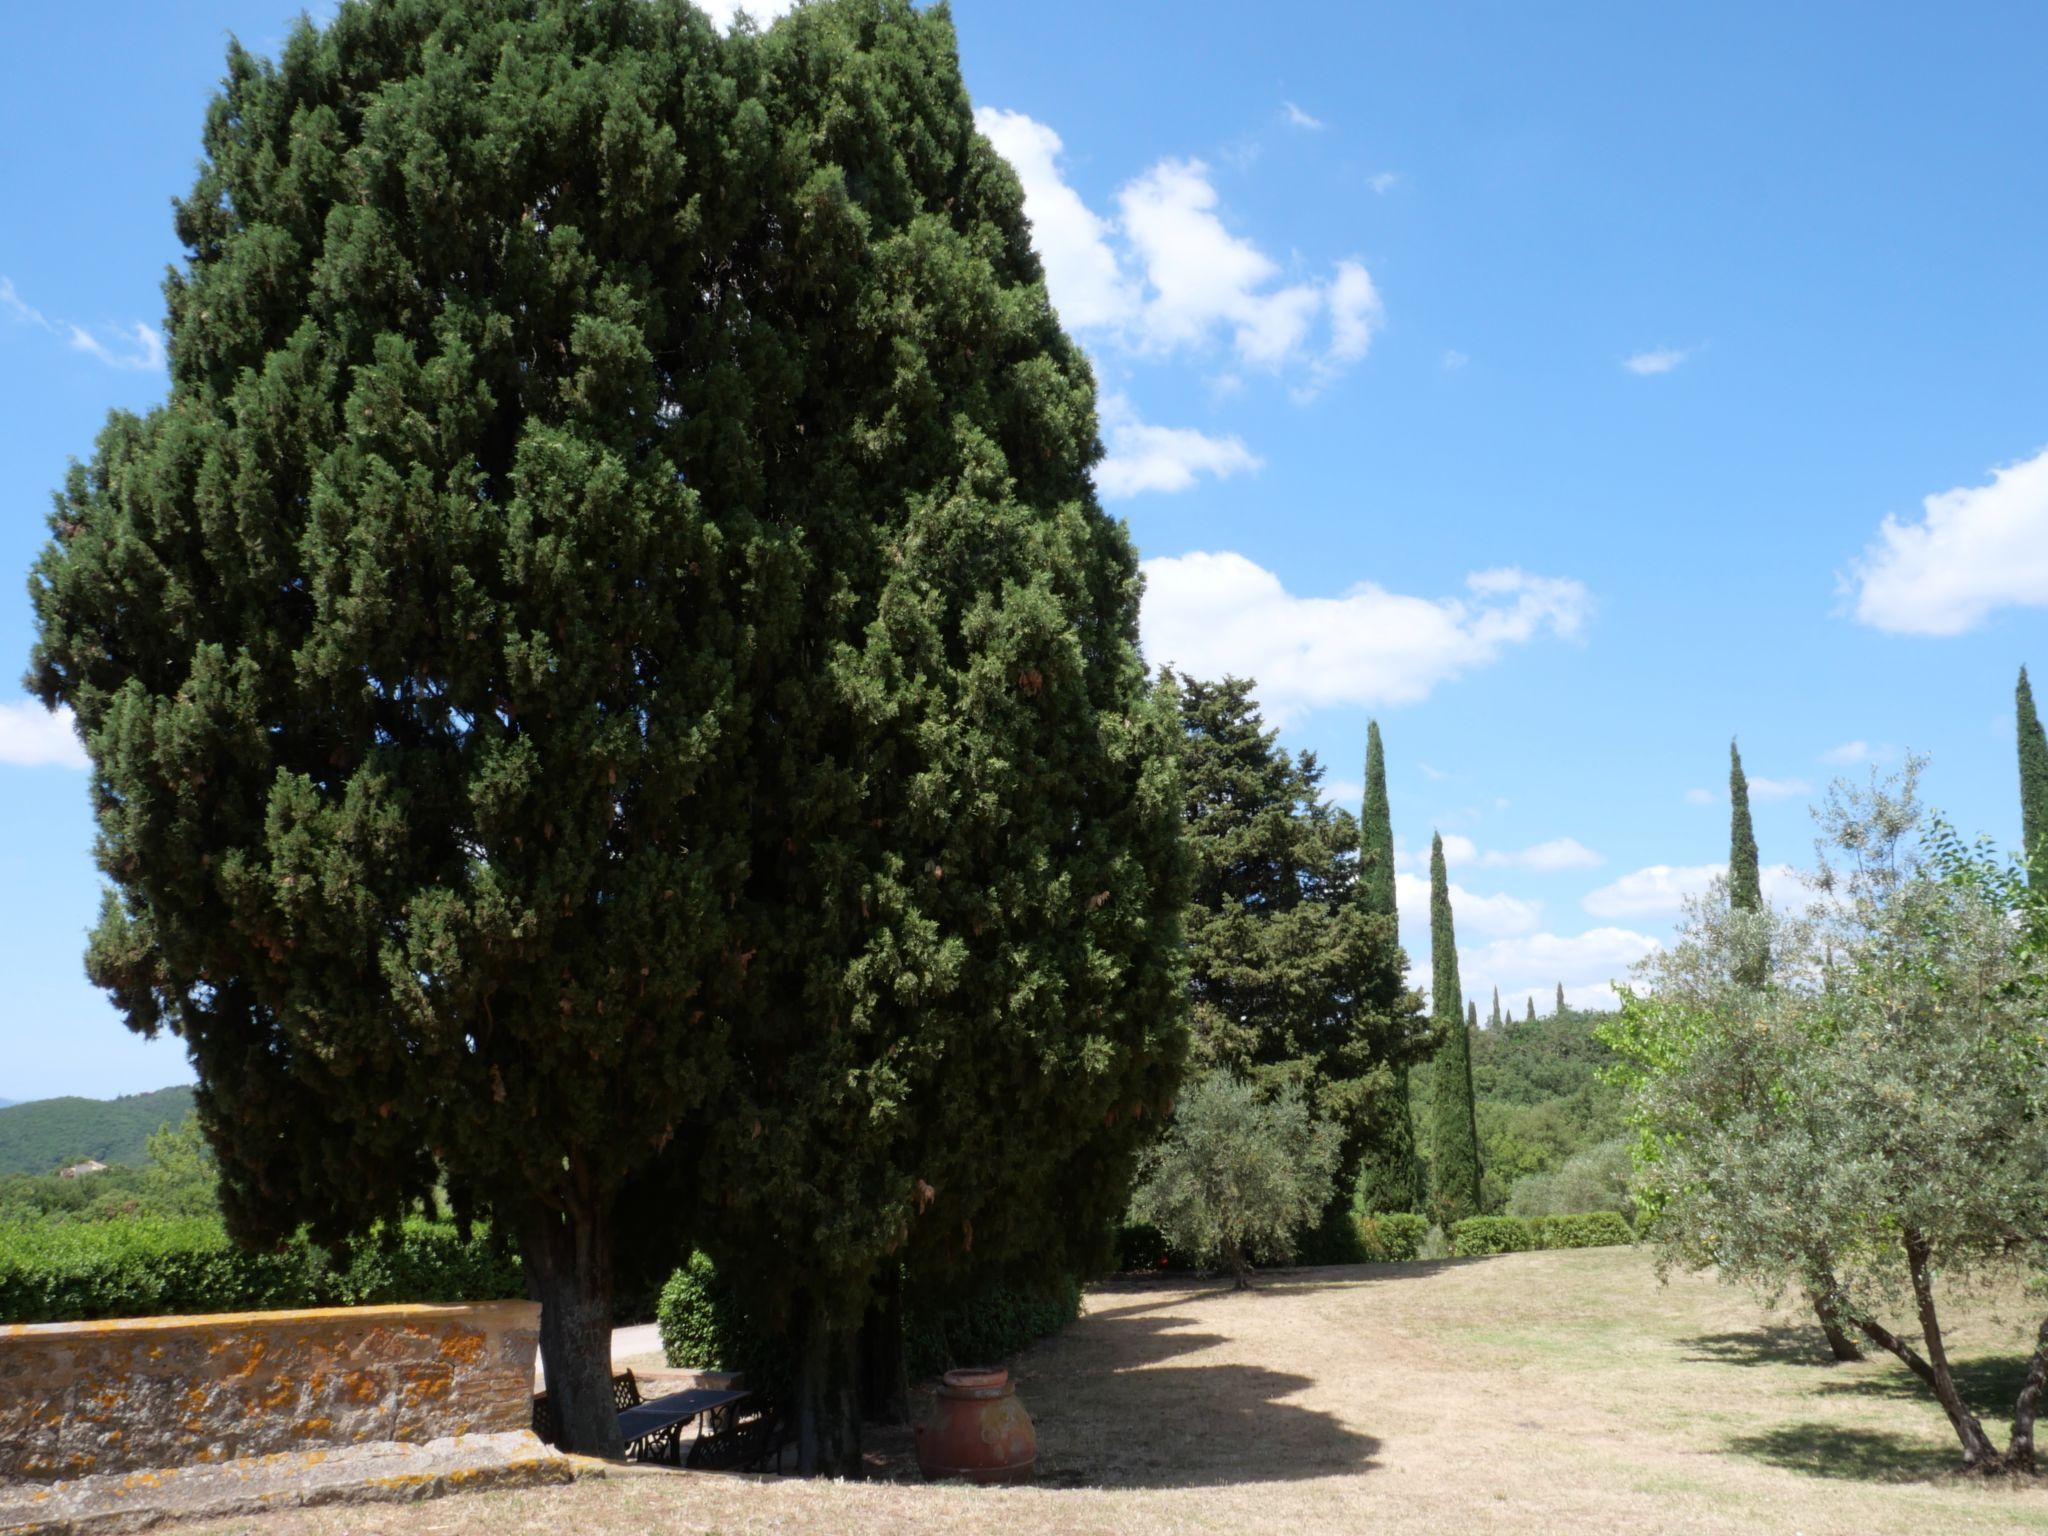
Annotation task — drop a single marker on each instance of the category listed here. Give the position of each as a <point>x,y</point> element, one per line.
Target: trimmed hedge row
<point>704,1326</point>
<point>77,1271</point>
<point>1477,1235</point>
<point>1392,1238</point>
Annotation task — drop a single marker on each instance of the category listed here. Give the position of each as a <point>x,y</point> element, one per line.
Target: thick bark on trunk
<point>2019,1455</point>
<point>1240,1272</point>
<point>825,1415</point>
<point>1840,1345</point>
<point>884,1379</point>
<point>1978,1452</point>
<point>568,1263</point>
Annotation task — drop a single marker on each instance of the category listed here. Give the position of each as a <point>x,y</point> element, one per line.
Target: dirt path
<point>1562,1392</point>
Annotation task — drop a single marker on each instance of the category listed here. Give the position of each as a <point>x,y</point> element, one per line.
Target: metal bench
<point>736,1431</point>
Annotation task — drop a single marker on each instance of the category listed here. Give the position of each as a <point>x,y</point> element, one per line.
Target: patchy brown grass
<point>1564,1392</point>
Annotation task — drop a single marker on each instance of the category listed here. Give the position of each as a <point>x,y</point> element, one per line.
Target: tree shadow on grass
<point>1775,1344</point>
<point>1989,1384</point>
<point>1850,1455</point>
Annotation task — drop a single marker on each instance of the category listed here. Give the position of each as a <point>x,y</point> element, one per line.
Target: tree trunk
<point>826,1413</point>
<point>1978,1453</point>
<point>568,1262</point>
<point>2020,1454</point>
<point>1240,1272</point>
<point>1840,1345</point>
<point>884,1380</point>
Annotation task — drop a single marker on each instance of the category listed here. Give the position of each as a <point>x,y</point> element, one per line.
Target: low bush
<point>705,1326</point>
<point>1586,1229</point>
<point>1140,1245</point>
<point>1477,1235</point>
<point>1392,1238</point>
<point>78,1271</point>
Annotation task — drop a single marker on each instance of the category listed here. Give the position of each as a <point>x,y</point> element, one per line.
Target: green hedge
<point>1591,1229</point>
<point>1477,1235</point>
<point>705,1326</point>
<point>150,1267</point>
<point>1490,1234</point>
<point>1392,1238</point>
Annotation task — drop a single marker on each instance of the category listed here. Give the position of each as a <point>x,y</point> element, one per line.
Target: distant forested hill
<point>1540,1102</point>
<point>43,1134</point>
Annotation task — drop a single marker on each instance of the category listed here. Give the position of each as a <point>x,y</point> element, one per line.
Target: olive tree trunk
<point>825,1416</point>
<point>568,1263</point>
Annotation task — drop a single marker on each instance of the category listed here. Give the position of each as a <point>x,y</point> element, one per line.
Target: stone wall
<point>82,1399</point>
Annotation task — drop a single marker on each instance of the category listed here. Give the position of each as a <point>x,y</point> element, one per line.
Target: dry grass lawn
<point>1552,1392</point>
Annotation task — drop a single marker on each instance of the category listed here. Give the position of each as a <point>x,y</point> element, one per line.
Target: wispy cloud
<point>1851,753</point>
<point>1217,613</point>
<point>1761,788</point>
<point>1452,360</point>
<point>138,348</point>
<point>34,737</point>
<point>1383,182</point>
<point>1702,797</point>
<point>1657,360</point>
<point>1297,118</point>
<point>1142,457</point>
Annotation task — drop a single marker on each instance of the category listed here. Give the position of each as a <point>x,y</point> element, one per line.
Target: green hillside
<point>44,1134</point>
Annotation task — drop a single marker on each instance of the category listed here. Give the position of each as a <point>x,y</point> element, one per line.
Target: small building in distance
<point>80,1170</point>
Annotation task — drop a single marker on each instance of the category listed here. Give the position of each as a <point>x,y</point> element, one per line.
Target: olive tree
<point>1238,1172</point>
<point>1873,1128</point>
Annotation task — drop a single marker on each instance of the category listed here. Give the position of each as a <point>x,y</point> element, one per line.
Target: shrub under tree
<point>607,681</point>
<point>1238,1173</point>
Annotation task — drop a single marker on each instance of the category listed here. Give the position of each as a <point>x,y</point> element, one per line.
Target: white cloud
<point>1976,549</point>
<point>1167,275</point>
<point>1452,360</point>
<point>1534,964</point>
<point>1702,797</point>
<point>1661,890</point>
<point>723,12</point>
<point>1212,613</point>
<point>1431,772</point>
<point>1850,753</point>
<point>34,737</point>
<point>1082,273</point>
<point>1761,788</point>
<point>138,348</point>
<point>1141,457</point>
<point>1296,118</point>
<point>1544,858</point>
<point>1344,792</point>
<point>1383,182</point>
<point>1657,360</point>
<point>1471,913</point>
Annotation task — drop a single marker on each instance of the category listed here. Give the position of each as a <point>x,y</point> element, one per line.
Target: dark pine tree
<point>1453,1124</point>
<point>608,683</point>
<point>1295,971</point>
<point>1390,1175</point>
<point>2033,784</point>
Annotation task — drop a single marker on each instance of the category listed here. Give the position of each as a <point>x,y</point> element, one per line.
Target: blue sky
<point>1570,387</point>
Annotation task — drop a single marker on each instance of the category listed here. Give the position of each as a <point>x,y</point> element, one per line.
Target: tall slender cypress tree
<point>1496,1007</point>
<point>1560,997</point>
<point>1532,1010</point>
<point>1454,1127</point>
<point>1745,877</point>
<point>1390,1175</point>
<point>2033,784</point>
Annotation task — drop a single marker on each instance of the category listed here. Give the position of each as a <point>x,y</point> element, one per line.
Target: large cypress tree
<point>2033,783</point>
<point>607,673</point>
<point>1560,997</point>
<point>1390,1175</point>
<point>1454,1126</point>
<point>1295,974</point>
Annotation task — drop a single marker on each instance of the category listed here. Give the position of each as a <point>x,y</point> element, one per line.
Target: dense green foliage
<point>1295,970</point>
<point>2033,744</point>
<point>608,671</point>
<point>176,1179</point>
<point>1453,1143</point>
<point>43,1135</point>
<point>706,1325</point>
<point>1238,1173</point>
<point>1393,1237</point>
<point>1596,1178</point>
<point>1541,1099</point>
<point>1480,1235</point>
<point>1390,1175</point>
<point>151,1266</point>
<point>1871,1126</point>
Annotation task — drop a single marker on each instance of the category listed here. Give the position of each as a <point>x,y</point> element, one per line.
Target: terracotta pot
<point>978,1430</point>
